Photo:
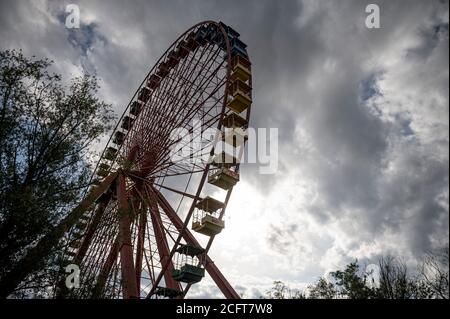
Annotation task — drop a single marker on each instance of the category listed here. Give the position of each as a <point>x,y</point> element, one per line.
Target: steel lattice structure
<point>131,235</point>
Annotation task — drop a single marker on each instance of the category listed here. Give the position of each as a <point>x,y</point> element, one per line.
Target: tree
<point>395,282</point>
<point>281,291</point>
<point>352,283</point>
<point>322,290</point>
<point>47,131</point>
<point>434,270</point>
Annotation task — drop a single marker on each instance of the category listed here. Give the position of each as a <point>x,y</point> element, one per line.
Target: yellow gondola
<point>235,137</point>
<point>110,153</point>
<point>103,170</point>
<point>119,138</point>
<point>135,108</point>
<point>241,68</point>
<point>224,178</point>
<point>241,93</point>
<point>236,133</point>
<point>233,120</point>
<point>204,222</point>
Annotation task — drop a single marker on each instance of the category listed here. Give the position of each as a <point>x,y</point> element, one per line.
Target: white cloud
<point>358,177</point>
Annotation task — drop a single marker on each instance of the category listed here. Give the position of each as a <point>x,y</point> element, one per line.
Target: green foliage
<point>46,131</point>
<point>434,273</point>
<point>322,290</point>
<point>395,281</point>
<point>352,283</point>
<point>281,291</point>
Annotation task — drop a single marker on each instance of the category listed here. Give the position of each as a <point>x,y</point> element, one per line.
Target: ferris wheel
<point>139,230</point>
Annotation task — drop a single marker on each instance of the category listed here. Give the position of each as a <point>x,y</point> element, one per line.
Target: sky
<point>362,117</point>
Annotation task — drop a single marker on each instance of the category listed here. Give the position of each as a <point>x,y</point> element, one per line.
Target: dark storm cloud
<point>281,238</point>
<point>361,113</point>
<point>84,37</point>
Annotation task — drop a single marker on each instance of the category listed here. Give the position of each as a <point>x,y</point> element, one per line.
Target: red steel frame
<point>122,247</point>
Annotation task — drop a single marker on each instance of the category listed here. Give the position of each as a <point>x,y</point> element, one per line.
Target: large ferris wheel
<point>139,231</point>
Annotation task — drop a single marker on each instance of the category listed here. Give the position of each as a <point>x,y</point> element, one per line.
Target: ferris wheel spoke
<point>175,191</point>
<point>155,107</point>
<point>125,244</point>
<point>185,68</point>
<point>189,131</point>
<point>105,271</point>
<point>149,259</point>
<point>179,113</point>
<point>207,123</point>
<point>178,174</point>
<point>140,245</point>
<point>163,247</point>
<point>169,162</point>
<point>160,235</point>
<point>186,121</point>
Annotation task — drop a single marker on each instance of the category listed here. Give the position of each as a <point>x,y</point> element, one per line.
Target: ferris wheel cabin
<point>186,267</point>
<point>205,220</point>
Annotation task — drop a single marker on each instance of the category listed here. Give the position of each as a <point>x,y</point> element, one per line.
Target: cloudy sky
<point>362,116</point>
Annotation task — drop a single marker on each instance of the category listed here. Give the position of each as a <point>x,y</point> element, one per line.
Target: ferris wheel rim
<point>150,72</point>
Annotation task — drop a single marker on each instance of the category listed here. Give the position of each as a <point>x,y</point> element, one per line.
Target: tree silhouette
<point>46,134</point>
<point>396,281</point>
